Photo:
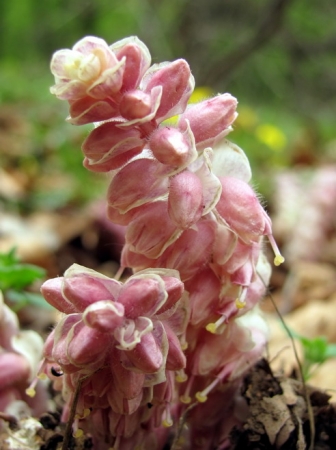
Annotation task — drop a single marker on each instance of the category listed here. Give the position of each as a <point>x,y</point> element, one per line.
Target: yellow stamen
<point>186,399</point>
<point>31,392</point>
<point>78,433</point>
<point>181,376</point>
<point>42,376</point>
<point>167,423</point>
<point>167,420</point>
<point>213,327</point>
<point>240,304</point>
<point>279,259</point>
<point>201,397</point>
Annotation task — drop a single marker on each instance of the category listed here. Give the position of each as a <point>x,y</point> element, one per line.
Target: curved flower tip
<point>138,60</point>
<point>210,120</point>
<point>177,85</point>
<point>90,68</point>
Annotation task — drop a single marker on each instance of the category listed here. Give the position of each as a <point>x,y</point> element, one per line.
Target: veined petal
<point>211,184</point>
<point>152,232</point>
<point>86,347</point>
<point>150,354</point>
<point>88,110</point>
<point>108,147</point>
<point>140,181</point>
<point>142,295</point>
<point>229,160</point>
<point>185,199</point>
<point>82,287</point>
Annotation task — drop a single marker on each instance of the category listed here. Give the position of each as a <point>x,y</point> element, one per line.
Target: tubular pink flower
<point>240,208</point>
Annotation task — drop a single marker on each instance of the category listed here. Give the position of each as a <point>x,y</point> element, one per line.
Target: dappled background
<point>278,57</point>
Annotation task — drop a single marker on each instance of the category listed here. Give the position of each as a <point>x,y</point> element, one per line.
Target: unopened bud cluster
<point>184,328</point>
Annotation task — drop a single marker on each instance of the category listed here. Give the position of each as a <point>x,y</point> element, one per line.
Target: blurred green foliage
<point>281,65</point>
<point>15,278</point>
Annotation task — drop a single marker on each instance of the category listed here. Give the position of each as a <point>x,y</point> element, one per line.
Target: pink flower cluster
<point>185,327</point>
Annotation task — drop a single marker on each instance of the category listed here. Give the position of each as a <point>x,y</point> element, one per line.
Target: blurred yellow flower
<point>201,93</point>
<point>272,136</point>
<point>247,117</point>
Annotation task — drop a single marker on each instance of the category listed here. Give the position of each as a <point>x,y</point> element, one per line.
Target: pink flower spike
<point>185,199</point>
<point>138,60</point>
<point>172,147</point>
<point>177,84</point>
<point>108,147</point>
<point>210,120</point>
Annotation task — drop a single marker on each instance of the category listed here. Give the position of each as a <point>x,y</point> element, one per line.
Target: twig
<point>182,421</point>
<point>304,386</point>
<point>268,27</point>
<point>68,428</point>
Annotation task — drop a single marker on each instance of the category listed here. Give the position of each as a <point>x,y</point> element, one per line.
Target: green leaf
<point>18,276</point>
<point>8,259</point>
<point>315,349</point>
<point>331,351</point>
